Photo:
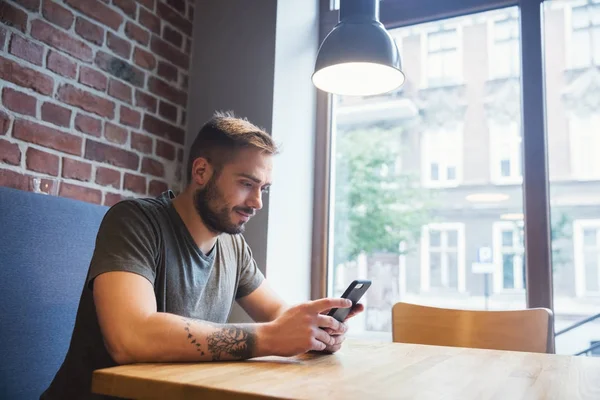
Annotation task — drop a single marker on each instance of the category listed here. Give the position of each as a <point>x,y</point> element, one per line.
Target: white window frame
<point>425,53</point>
<point>497,229</point>
<point>576,141</point>
<point>426,159</point>
<point>491,28</point>
<point>498,137</point>
<point>460,256</point>
<point>568,25</point>
<point>578,226</point>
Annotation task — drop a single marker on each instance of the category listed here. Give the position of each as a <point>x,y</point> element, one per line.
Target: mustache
<point>245,210</point>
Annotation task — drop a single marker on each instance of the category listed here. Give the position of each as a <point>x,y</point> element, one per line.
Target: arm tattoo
<point>191,338</point>
<point>233,340</point>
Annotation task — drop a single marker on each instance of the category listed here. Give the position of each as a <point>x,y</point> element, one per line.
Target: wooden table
<point>365,371</point>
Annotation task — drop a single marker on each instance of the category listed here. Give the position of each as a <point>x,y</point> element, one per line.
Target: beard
<point>215,212</point>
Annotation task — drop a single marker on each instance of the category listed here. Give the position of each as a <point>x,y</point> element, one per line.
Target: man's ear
<point>202,171</point>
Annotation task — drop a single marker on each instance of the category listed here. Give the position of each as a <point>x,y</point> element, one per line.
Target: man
<point>166,271</point>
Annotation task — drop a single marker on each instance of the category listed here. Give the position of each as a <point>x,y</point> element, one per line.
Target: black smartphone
<point>354,292</point>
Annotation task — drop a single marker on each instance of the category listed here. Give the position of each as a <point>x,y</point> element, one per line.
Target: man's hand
<point>298,329</point>
<point>340,335</point>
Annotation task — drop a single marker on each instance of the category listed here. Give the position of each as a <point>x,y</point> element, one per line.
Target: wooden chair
<point>528,330</point>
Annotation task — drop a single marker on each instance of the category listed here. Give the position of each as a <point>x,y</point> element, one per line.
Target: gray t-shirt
<point>147,237</point>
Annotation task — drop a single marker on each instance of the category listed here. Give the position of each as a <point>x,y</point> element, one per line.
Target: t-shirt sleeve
<point>250,276</point>
<point>126,241</point>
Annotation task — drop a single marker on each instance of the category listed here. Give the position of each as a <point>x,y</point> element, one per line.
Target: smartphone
<point>354,292</point>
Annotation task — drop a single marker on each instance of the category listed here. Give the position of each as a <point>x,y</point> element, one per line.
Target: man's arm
<point>134,331</point>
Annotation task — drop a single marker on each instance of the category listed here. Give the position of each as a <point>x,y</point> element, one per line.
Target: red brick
<point>91,77</point>
<point>188,46</point>
<point>47,137</point>
<point>110,199</point>
<point>184,81</point>
<point>180,155</point>
<point>169,52</point>
<point>13,179</point>
<point>153,167</point>
<point>163,129</point>
<point>108,177</point>
<point>147,3</point>
<point>86,101</point>
<point>183,117</point>
<point>135,183</point>
<point>149,20</point>
<point>4,122</point>
<point>120,46</point>
<point>137,33</point>
<point>174,18</point>
<point>172,36</point>
<point>13,16</point>
<point>89,31</point>
<point>27,50</point>
<point>144,59</point>
<point>165,150</point>
<point>145,101</point>
<point>141,143</point>
<point>33,5</point>
<point>41,161</point>
<point>109,154</point>
<point>57,14</point>
<point>156,188</point>
<point>77,192</point>
<point>46,33</point>
<point>56,114</point>
<point>120,91</point>
<point>163,89</point>
<point>89,125</point>
<point>73,169</point>
<point>130,117</point>
<point>25,77</point>
<point>2,38</point>
<point>98,11</point>
<point>167,71</point>
<point>9,152</point>
<point>167,111</point>
<point>120,68</point>
<point>60,64</point>
<point>179,5</point>
<point>19,102</point>
<point>114,133</point>
<point>128,6</point>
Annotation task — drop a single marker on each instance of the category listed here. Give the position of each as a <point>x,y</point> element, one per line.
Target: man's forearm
<point>165,337</point>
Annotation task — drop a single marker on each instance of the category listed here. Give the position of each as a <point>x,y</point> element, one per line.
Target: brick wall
<point>93,96</point>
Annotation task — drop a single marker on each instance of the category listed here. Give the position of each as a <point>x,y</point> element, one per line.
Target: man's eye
<point>247,184</point>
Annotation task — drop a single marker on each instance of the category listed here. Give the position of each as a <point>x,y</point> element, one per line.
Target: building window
<point>442,157</point>
<point>505,58</point>
<point>505,148</point>
<point>443,58</point>
<point>585,35</point>
<point>585,146</point>
<point>586,256</point>
<point>443,257</point>
<point>508,256</point>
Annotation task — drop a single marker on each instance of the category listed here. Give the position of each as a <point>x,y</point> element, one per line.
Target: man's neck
<point>184,205</point>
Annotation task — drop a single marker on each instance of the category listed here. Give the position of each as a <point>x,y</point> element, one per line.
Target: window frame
<point>425,148</point>
<point>491,31</point>
<point>425,279</point>
<point>425,54</point>
<point>578,262</point>
<point>498,228</point>
<point>516,151</point>
<point>577,139</point>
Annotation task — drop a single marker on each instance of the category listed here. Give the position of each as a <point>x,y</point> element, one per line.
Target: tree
<point>376,206</point>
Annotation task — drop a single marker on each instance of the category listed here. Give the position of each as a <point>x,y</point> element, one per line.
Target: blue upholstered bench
<point>46,244</point>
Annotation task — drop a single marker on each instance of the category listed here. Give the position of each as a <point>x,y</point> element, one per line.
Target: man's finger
<point>357,309</point>
<point>325,321</point>
<point>320,305</point>
<point>324,337</point>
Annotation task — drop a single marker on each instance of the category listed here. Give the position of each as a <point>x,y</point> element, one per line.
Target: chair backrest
<point>46,244</point>
<point>521,330</point>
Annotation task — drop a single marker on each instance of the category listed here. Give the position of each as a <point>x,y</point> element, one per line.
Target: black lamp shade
<point>358,57</point>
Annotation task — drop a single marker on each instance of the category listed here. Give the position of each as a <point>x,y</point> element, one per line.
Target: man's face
<point>231,198</point>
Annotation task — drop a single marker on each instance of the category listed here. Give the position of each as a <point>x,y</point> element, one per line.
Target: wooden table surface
<point>364,370</point>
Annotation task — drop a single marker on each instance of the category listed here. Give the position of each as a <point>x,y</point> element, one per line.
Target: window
<point>443,66</point>
<point>585,146</point>
<point>505,147</point>
<point>442,157</point>
<point>508,256</point>
<point>443,253</point>
<point>505,60</point>
<point>586,241</point>
<point>585,35</point>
